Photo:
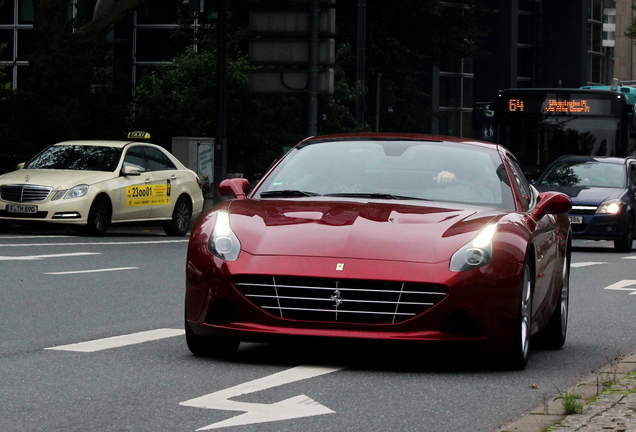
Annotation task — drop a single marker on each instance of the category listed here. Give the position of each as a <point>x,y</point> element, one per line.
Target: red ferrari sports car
<point>383,236</point>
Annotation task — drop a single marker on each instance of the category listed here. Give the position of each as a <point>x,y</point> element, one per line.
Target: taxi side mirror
<point>130,170</point>
<point>20,165</point>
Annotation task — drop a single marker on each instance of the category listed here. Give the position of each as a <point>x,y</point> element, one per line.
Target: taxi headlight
<point>476,253</point>
<point>77,191</point>
<point>609,207</point>
<point>223,242</point>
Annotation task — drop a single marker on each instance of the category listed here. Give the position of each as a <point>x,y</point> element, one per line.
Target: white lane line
<point>92,271</point>
<point>95,243</point>
<point>120,341</point>
<point>39,257</point>
<point>586,264</point>
<point>630,257</point>
<point>295,407</point>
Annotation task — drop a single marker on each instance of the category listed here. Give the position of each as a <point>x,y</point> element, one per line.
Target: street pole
<point>313,69</point>
<point>360,56</point>
<point>220,153</point>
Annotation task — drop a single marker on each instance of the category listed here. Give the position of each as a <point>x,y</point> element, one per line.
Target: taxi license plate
<point>576,219</point>
<point>12,208</point>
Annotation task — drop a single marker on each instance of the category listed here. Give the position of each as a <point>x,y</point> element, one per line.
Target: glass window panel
<point>525,62</point>
<point>6,12</point>
<point>449,123</point>
<point>22,74</point>
<point>157,12</point>
<point>528,5</point>
<point>467,124</point>
<point>25,43</point>
<point>467,101</point>
<point>450,91</point>
<point>6,36</point>
<point>156,45</point>
<point>527,29</point>
<point>25,11</point>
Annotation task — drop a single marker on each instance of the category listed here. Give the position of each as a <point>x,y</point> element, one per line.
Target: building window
<point>528,21</point>
<point>16,30</point>
<point>600,52</point>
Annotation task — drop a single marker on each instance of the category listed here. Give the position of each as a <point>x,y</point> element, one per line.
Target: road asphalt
<point>603,401</point>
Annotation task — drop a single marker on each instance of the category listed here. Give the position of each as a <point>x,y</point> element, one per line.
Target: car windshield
<point>588,173</point>
<point>77,157</point>
<point>390,169</point>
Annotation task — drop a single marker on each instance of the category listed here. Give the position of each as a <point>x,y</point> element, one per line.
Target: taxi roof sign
<point>138,135</point>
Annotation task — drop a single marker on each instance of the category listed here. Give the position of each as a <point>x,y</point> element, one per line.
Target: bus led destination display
<point>558,106</point>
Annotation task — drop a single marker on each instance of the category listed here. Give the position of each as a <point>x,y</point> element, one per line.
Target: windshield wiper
<point>287,193</point>
<point>376,195</point>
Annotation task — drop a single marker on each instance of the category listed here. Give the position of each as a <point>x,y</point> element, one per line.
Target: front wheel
<point>207,346</point>
<point>625,244</point>
<point>518,353</point>
<point>554,334</point>
<point>99,217</point>
<point>181,218</point>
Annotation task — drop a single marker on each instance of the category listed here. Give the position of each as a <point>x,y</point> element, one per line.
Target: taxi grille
<point>24,193</point>
<point>339,300</point>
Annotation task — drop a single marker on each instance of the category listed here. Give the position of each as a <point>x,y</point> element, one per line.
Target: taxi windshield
<point>77,157</point>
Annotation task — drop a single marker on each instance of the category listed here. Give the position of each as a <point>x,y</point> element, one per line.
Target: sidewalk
<point>607,400</point>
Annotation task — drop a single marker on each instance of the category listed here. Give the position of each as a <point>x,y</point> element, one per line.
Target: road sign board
<point>288,81</point>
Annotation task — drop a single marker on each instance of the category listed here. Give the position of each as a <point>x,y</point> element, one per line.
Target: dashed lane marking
<point>119,341</point>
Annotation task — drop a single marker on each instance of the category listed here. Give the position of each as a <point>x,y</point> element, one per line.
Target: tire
<point>517,355</point>
<point>555,332</point>
<point>181,218</point>
<point>207,346</point>
<point>99,217</point>
<point>5,226</point>
<point>625,244</point>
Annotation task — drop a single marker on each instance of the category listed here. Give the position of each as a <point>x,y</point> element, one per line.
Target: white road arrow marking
<point>622,286</point>
<point>586,264</point>
<point>296,407</point>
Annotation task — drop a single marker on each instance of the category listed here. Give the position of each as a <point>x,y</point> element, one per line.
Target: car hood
<point>426,232</point>
<point>57,179</point>
<point>586,195</point>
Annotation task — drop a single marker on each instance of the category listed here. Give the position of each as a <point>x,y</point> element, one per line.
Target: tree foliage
<point>73,88</point>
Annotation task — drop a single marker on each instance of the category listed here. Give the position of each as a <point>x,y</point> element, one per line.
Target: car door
<point>164,178</point>
<point>134,194</point>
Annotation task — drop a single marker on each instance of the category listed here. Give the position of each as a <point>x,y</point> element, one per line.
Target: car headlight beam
<point>609,207</point>
<point>223,242</point>
<point>476,253</point>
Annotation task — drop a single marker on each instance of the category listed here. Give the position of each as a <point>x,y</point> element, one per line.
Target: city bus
<point>539,125</point>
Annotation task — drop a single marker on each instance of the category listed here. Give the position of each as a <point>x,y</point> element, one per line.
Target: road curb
<point>589,388</point>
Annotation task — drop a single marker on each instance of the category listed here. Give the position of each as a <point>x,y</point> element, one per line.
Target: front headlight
<point>609,207</point>
<point>223,242</point>
<point>476,253</point>
<point>75,192</point>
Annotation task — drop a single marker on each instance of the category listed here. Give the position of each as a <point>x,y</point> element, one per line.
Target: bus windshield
<point>539,125</point>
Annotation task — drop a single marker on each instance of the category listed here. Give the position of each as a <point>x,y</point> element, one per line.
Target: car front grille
<point>339,300</point>
<point>24,193</point>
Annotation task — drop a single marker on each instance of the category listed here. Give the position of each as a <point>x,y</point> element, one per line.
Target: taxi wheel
<point>99,217</point>
<point>5,227</point>
<point>181,217</point>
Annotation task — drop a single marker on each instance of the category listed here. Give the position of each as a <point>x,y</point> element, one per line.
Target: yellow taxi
<point>94,184</point>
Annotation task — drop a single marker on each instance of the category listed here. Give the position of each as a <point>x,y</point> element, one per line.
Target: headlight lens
<point>477,252</point>
<point>77,191</point>
<point>609,207</point>
<point>223,242</point>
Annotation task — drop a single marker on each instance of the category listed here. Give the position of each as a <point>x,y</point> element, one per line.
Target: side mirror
<point>234,188</point>
<point>20,165</point>
<point>551,203</point>
<point>130,170</point>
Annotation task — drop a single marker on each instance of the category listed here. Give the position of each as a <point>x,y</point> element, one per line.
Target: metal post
<point>313,70</point>
<point>220,159</point>
<point>360,62</point>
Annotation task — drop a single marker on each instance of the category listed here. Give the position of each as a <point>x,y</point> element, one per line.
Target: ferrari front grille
<point>24,193</point>
<point>339,300</point>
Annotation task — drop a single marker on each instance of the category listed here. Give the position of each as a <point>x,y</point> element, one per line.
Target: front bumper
<point>599,226</point>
